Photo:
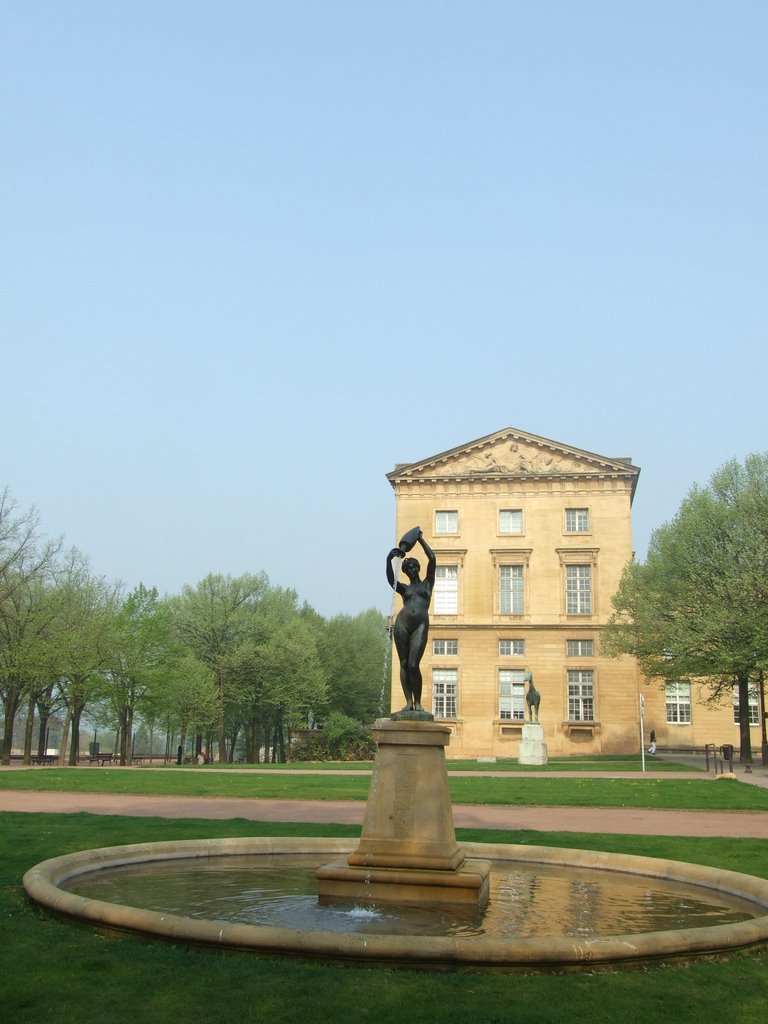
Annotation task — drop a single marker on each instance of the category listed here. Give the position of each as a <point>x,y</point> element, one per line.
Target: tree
<point>24,624</point>
<point>82,638</point>
<point>186,697</point>
<point>279,681</point>
<point>283,682</point>
<point>140,650</point>
<point>213,620</point>
<point>698,606</point>
<point>26,563</point>
<point>356,653</point>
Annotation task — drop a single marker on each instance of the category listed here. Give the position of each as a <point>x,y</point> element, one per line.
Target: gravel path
<point>625,820</point>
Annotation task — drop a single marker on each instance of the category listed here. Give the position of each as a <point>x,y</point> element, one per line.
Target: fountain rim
<point>42,884</point>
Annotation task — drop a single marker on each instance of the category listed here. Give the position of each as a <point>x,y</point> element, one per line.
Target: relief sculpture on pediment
<point>517,459</point>
<point>512,455</point>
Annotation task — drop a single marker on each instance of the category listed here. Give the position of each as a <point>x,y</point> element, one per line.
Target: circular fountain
<point>380,933</point>
<point>406,893</point>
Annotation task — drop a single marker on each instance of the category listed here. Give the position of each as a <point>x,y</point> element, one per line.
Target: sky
<point>254,254</point>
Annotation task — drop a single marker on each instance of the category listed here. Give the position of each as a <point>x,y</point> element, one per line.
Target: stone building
<point>531,537</point>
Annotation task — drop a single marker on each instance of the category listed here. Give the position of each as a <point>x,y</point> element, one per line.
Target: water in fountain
<point>525,900</point>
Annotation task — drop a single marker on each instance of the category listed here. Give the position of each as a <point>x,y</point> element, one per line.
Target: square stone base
<point>340,881</point>
<point>533,749</point>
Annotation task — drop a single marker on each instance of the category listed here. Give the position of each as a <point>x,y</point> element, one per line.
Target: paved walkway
<point>625,820</point>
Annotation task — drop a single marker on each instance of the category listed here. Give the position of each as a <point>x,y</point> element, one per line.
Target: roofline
<point>622,465</point>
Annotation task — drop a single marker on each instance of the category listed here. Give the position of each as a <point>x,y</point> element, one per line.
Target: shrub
<point>341,739</point>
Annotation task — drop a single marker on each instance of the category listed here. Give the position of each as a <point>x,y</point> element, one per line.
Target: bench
<point>102,759</point>
<point>35,759</point>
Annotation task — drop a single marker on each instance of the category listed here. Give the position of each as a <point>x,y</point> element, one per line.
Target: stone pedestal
<point>533,749</point>
<point>408,851</point>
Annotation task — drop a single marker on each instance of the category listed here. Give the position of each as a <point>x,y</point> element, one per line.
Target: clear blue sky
<point>254,254</point>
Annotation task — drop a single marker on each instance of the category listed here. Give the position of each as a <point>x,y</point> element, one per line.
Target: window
<point>577,520</point>
<point>511,589</point>
<point>580,648</point>
<point>445,646</point>
<point>678,700</point>
<point>581,698</point>
<point>444,683</point>
<point>512,694</point>
<point>578,589</point>
<point>446,591</point>
<point>754,707</point>
<point>516,647</point>
<point>446,522</point>
<point>511,520</point>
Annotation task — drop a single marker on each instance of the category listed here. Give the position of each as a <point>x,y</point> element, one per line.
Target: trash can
<point>93,749</point>
<point>726,752</point>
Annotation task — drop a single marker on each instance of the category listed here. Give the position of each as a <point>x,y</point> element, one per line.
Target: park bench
<point>102,759</point>
<point>35,758</point>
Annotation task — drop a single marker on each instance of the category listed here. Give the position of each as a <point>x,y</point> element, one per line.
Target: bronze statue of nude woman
<point>411,627</point>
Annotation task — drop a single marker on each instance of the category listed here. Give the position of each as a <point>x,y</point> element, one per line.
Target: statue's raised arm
<point>399,554</point>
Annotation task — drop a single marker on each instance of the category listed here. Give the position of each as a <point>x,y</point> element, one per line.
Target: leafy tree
<point>213,620</point>
<point>187,696</point>
<point>82,642</point>
<point>26,563</point>
<point>698,606</point>
<point>24,624</point>
<point>140,650</point>
<point>281,681</point>
<point>356,654</point>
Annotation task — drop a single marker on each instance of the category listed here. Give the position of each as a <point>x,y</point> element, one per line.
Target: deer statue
<point>532,697</point>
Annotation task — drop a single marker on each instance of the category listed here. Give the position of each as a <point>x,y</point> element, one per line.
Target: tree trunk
<point>233,743</point>
<point>120,749</point>
<point>221,724</point>
<point>29,727</point>
<point>129,737</point>
<point>222,739</point>
<point>745,738</point>
<point>253,740</point>
<point>74,747</point>
<point>763,731</point>
<point>42,737</point>
<point>44,704</point>
<point>11,702</point>
<point>65,737</point>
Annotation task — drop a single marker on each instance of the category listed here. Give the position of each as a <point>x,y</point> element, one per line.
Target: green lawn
<point>576,763</point>
<point>73,975</point>
<point>698,792</point>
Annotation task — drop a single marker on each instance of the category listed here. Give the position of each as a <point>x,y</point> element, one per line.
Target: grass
<point>576,763</point>
<point>72,975</point>
<point>697,793</point>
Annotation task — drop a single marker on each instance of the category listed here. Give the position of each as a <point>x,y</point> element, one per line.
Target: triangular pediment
<point>513,453</point>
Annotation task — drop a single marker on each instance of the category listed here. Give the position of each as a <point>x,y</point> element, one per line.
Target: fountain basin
<point>44,884</point>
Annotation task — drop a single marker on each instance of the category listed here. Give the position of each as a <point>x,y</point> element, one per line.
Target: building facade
<point>531,537</point>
